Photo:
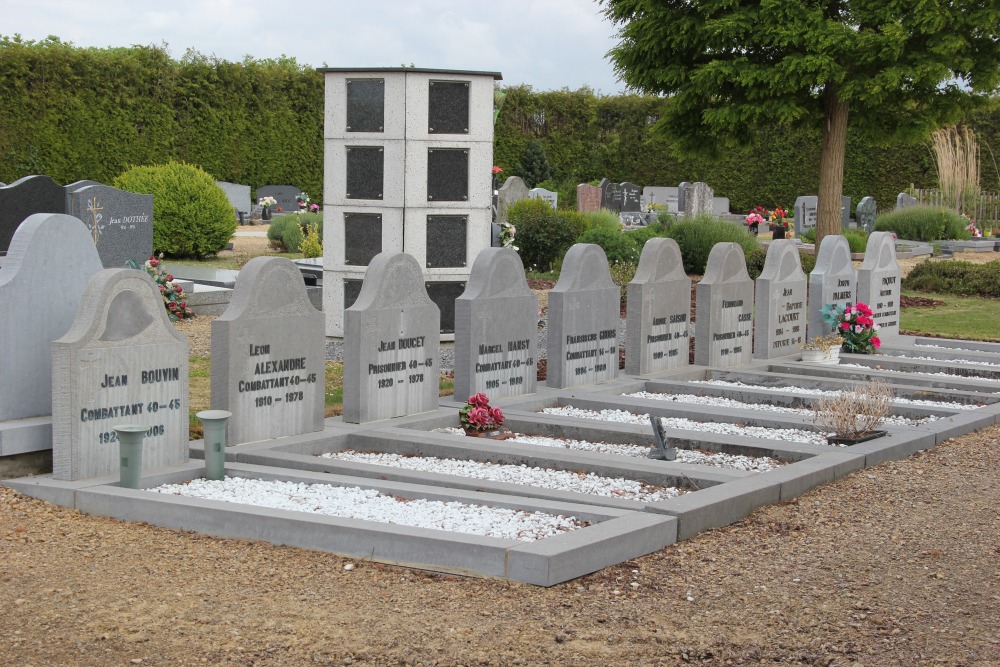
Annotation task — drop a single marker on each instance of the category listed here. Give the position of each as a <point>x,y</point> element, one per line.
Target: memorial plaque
<point>780,297</point>
<point>443,295</point>
<point>724,310</point>
<point>448,107</point>
<point>352,288</point>
<point>659,304</point>
<point>496,328</point>
<point>879,281</point>
<point>584,309</point>
<point>362,238</point>
<point>630,197</point>
<point>447,174</point>
<point>805,213</point>
<point>832,281</point>
<point>121,362</point>
<point>866,214</point>
<point>365,105</point>
<point>268,349</point>
<point>391,349</point>
<point>513,190</point>
<point>446,241</point>
<point>31,194</point>
<point>365,170</point>
<point>588,198</point>
<point>120,223</point>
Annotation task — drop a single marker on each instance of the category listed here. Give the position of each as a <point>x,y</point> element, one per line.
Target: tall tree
<point>897,68</point>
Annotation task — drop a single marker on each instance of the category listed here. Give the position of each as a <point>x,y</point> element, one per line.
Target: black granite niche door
<point>362,237</point>
<point>446,236</point>
<point>447,174</point>
<point>448,107</point>
<point>444,295</point>
<point>365,105</point>
<point>365,170</point>
<point>352,289</point>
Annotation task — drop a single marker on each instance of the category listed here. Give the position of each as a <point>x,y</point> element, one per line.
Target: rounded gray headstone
<point>659,305</point>
<point>879,281</point>
<point>724,309</point>
<point>833,281</point>
<point>780,302</point>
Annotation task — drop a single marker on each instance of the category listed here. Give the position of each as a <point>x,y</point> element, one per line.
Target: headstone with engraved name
<point>724,310</point>
<point>631,193</point>
<point>268,349</point>
<point>496,325</point>
<point>659,304</point>
<point>284,195</point>
<point>391,348</point>
<point>31,194</point>
<point>698,200</point>
<point>511,191</point>
<point>682,196</point>
<point>584,314</point>
<point>866,213</point>
<point>832,281</point>
<point>588,197</point>
<point>805,213</point>
<point>879,281</point>
<point>121,362</point>
<point>120,223</point>
<point>547,195</point>
<point>780,296</point>
<point>904,200</point>
<point>614,197</point>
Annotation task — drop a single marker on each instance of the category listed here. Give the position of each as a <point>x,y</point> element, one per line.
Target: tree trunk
<point>831,165</point>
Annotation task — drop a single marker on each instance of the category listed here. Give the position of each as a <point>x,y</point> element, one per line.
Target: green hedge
<point>955,277</point>
<point>924,223</point>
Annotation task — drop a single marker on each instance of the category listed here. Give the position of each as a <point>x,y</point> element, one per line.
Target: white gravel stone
<point>825,392</point>
<point>939,374</point>
<point>371,505</point>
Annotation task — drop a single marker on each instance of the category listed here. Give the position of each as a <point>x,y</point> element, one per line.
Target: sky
<point>547,44</point>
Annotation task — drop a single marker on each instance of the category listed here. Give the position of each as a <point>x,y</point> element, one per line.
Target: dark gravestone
<point>444,295</point>
<point>682,196</point>
<point>448,107</point>
<point>447,174</point>
<point>352,288</point>
<point>613,197</point>
<point>74,186</point>
<point>630,197</point>
<point>31,194</point>
<point>362,237</point>
<point>365,105</point>
<point>120,223</point>
<point>845,212</point>
<point>365,171</point>
<point>604,185</point>
<point>284,195</point>
<point>446,241</point>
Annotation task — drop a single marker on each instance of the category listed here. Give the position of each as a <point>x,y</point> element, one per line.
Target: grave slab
<point>659,299</point>
<point>724,309</point>
<point>879,281</point>
<point>780,298</point>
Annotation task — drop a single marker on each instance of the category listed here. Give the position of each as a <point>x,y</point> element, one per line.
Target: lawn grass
<point>970,318</point>
<point>233,262</point>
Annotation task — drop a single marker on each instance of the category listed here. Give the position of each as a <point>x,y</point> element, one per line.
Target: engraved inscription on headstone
<point>879,281</point>
<point>630,197</point>
<point>496,326</point>
<point>448,107</point>
<point>365,105</point>
<point>588,197</point>
<point>659,303</point>
<point>805,213</point>
<point>613,197</point>
<point>780,296</point>
<point>866,214</point>
<point>832,281</point>
<point>120,223</point>
<point>365,172</point>
<point>446,240</point>
<point>447,174</point>
<point>31,194</point>
<point>362,237</point>
<point>724,309</point>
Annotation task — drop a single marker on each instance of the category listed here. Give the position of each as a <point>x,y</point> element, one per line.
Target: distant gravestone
<point>284,195</point>
<point>845,212</point>
<point>832,281</point>
<point>31,194</point>
<point>904,200</point>
<point>879,281</point>
<point>865,214</point>
<point>698,200</point>
<point>805,213</point>
<point>631,194</point>
<point>268,348</point>
<point>121,362</point>
<point>391,348</point>
<point>120,223</point>
<point>584,314</point>
<point>547,195</point>
<point>780,298</point>
<point>613,197</point>
<point>660,196</point>
<point>496,325</point>
<point>588,198</point>
<point>37,306</point>
<point>511,191</point>
<point>682,196</point>
<point>604,184</point>
<point>238,195</point>
<point>724,309</point>
<point>659,305</point>
<point>720,205</point>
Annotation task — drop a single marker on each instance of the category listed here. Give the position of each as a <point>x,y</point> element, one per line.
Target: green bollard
<point>130,437</point>
<point>214,423</point>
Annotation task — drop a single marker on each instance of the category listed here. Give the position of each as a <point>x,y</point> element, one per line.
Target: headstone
<point>845,212</point>
<point>682,196</point>
<point>720,205</point>
<point>120,223</point>
<point>284,195</point>
<point>604,185</point>
<point>805,213</point>
<point>665,197</point>
<point>780,298</point>
<point>73,187</point>
<point>904,200</point>
<point>866,213</point>
<point>496,326</point>
<point>391,348</point>
<point>659,307</point>
<point>584,314</point>
<point>588,198</point>
<point>724,310</point>
<point>832,281</point>
<point>37,306</point>
<point>31,194</point>
<point>541,193</point>
<point>630,197</point>
<point>268,349</point>
<point>613,197</point>
<point>511,191</point>
<point>121,362</point>
<point>879,281</point>
<point>698,200</point>
<point>238,195</point>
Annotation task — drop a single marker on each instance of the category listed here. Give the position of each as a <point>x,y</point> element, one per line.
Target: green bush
<point>603,218</point>
<point>622,274</point>
<point>543,235</point>
<point>924,223</point>
<point>808,235</point>
<point>955,277</point>
<point>643,234</point>
<point>287,232</point>
<point>857,239</point>
<point>697,236</point>
<point>192,216</point>
<point>619,247</point>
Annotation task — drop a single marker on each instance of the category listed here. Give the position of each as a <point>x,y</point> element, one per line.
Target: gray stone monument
<point>879,281</point>
<point>682,196</point>
<point>631,195</point>
<point>513,190</point>
<point>120,223</point>
<point>866,213</point>
<point>832,281</point>
<point>904,200</point>
<point>541,193</point>
<point>284,195</point>
<point>391,348</point>
<point>588,197</point>
<point>659,305</point>
<point>805,213</point>
<point>31,194</point>
<point>268,350</point>
<point>780,297</point>
<point>238,195</point>
<point>121,362</point>
<point>41,283</point>
<point>654,195</point>
<point>74,186</point>
<point>724,310</point>
<point>584,314</point>
<point>496,326</point>
<point>698,200</point>
<point>845,212</point>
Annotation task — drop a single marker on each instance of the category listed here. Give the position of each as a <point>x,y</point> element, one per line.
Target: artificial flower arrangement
<point>778,218</point>
<point>303,200</point>
<point>267,202</point>
<point>477,415</point>
<point>314,208</point>
<point>507,233</point>
<point>971,227</point>
<point>756,216</point>
<point>172,293</point>
<point>855,326</point>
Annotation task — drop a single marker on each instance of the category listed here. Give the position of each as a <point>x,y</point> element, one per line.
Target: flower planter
<point>844,440</point>
<point>830,355</point>
<point>778,233</point>
<point>265,214</point>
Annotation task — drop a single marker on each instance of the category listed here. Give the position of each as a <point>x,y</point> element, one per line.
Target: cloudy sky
<point>547,44</point>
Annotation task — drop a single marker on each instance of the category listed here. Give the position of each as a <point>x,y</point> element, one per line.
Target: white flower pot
<point>830,355</point>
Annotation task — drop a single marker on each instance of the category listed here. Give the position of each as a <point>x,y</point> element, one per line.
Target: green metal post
<point>214,423</point>
<point>130,437</point>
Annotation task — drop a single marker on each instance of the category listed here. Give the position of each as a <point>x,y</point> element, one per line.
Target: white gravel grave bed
<point>545,478</point>
<point>721,402</point>
<point>372,505</point>
<point>939,373</point>
<point>720,428</point>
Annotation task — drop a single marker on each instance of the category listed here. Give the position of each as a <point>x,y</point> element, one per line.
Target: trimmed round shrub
<point>697,236</point>
<point>543,236</point>
<point>955,277</point>
<point>924,223</point>
<point>192,217</point>
<point>620,248</point>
